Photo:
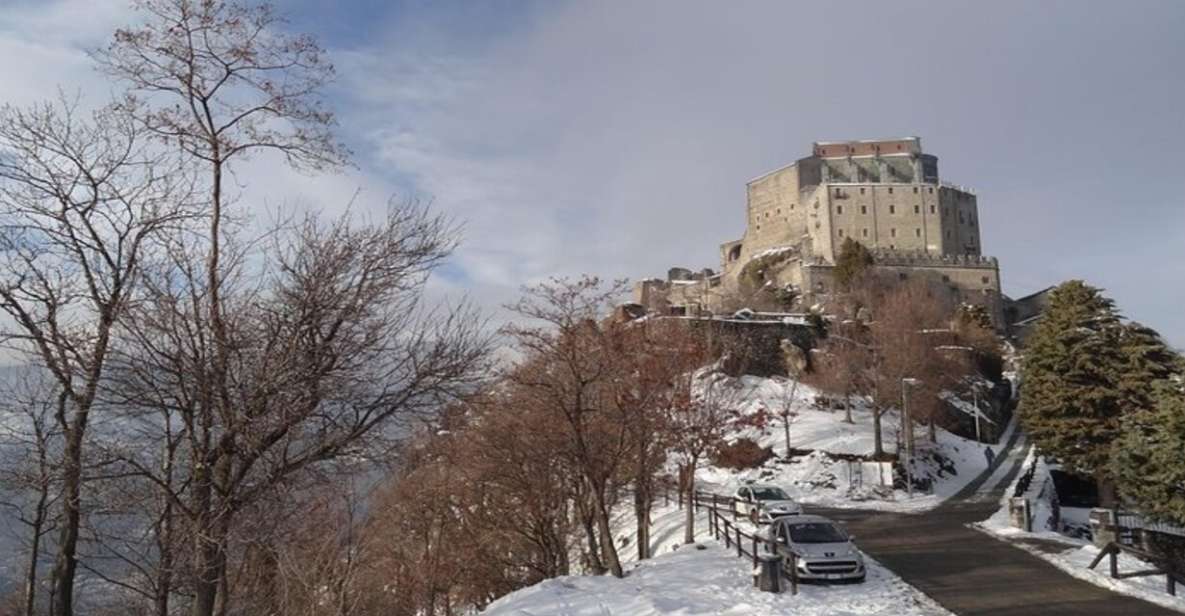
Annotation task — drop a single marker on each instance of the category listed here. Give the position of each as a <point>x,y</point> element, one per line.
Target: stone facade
<point>885,194</point>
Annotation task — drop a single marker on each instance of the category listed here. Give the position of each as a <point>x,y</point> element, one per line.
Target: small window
<point>892,209</point>
<point>948,234</point>
<point>792,206</point>
<point>931,208</point>
<point>985,280</point>
<point>865,233</point>
<point>931,190</point>
<point>890,190</point>
<point>893,232</point>
<point>917,209</point>
<point>779,210</point>
<point>902,275</point>
<point>972,222</point>
<point>861,191</point>
<point>945,278</point>
<point>839,233</point>
<point>863,209</point>
<point>961,221</point>
<point>917,232</point>
<point>837,193</point>
<point>915,190</point>
<point>839,209</point>
<point>758,227</point>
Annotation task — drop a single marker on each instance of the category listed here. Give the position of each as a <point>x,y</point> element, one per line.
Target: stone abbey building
<point>885,194</point>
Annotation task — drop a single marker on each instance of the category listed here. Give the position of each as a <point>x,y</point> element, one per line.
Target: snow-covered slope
<point>707,579</point>
<point>686,579</point>
<point>826,476</point>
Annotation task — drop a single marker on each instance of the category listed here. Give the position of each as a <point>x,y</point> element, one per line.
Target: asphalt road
<point>969,572</point>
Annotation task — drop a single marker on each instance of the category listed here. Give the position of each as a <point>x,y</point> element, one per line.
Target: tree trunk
<point>847,408</point>
<point>642,513</point>
<point>213,525</point>
<point>786,428</point>
<point>66,564</point>
<point>590,535</point>
<point>608,549</point>
<point>1107,493</point>
<point>933,431</point>
<point>689,508</point>
<point>878,444</point>
<point>38,527</point>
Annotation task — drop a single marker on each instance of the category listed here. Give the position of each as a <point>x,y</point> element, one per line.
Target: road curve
<point>970,573</point>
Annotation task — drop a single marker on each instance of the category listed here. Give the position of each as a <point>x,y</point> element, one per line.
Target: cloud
<point>616,138</point>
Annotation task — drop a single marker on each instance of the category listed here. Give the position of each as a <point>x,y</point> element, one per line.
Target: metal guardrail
<point>725,529</point>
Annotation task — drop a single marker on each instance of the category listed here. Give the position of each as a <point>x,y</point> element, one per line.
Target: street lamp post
<point>908,421</point>
<point>975,399</point>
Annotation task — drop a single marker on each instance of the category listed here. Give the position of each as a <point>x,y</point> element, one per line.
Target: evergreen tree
<point>853,260</point>
<point>1147,360</point>
<point>1147,458</point>
<point>1071,400</point>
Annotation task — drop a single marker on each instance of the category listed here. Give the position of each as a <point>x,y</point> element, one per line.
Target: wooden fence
<point>723,518</point>
<point>1162,566</point>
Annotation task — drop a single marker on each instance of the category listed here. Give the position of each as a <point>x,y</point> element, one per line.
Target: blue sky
<point>616,137</point>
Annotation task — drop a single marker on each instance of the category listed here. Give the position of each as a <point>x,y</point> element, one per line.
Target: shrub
<point>741,454</point>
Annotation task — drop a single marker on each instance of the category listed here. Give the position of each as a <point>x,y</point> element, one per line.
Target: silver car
<point>763,503</point>
<point>823,549</point>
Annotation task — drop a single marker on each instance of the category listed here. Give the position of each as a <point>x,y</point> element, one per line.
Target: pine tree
<point>1147,360</point>
<point>1147,458</point>
<point>1071,400</point>
<point>852,261</point>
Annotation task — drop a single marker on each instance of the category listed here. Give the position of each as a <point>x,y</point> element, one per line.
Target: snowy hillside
<point>707,579</point>
<point>687,580</point>
<point>826,475</point>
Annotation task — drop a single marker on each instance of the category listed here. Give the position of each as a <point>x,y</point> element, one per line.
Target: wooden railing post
<point>754,538</point>
<point>733,505</point>
<point>740,551</point>
<point>1114,562</point>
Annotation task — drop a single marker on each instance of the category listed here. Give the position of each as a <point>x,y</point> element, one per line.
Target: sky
<point>615,138</point>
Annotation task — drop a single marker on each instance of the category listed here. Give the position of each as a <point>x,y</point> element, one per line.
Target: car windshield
<point>770,494</point>
<point>816,532</point>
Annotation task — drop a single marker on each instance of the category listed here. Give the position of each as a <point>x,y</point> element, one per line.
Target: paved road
<point>969,572</point>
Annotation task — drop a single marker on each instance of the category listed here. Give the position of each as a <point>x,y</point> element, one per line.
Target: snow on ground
<point>705,578</point>
<point>1075,554</point>
<point>821,478</point>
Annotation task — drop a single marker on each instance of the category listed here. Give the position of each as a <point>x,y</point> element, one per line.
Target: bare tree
<point>221,80</point>
<point>333,355</point>
<point>788,406</point>
<point>571,373</point>
<point>81,201</point>
<point>30,444</point>
<point>702,405</point>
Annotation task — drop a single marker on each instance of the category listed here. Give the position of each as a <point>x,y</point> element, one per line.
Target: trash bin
<point>768,575</point>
